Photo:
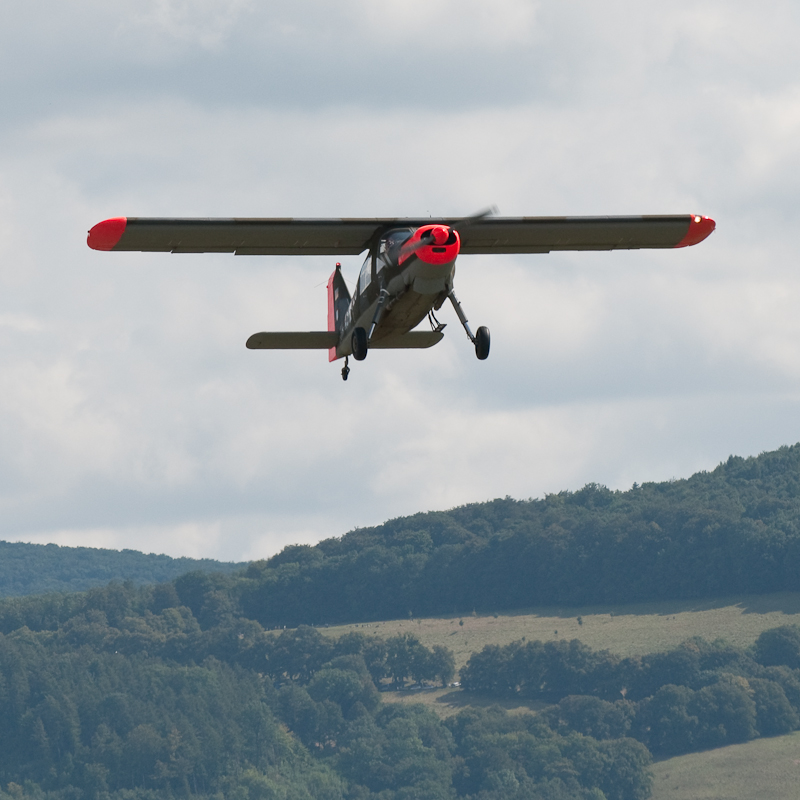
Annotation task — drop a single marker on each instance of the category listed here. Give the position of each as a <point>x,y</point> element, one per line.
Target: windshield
<point>364,277</point>
<point>390,244</point>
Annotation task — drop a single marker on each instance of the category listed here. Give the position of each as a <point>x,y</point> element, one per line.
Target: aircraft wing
<point>353,236</point>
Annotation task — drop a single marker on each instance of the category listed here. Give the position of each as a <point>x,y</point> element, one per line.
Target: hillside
<point>28,569</point>
<point>619,619</point>
<point>734,530</point>
<point>626,630</point>
<point>766,768</point>
<point>123,692</point>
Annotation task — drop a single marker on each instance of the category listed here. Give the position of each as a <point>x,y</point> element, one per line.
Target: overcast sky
<point>131,414</point>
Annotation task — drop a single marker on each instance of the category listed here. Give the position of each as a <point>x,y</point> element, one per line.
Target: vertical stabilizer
<point>338,303</point>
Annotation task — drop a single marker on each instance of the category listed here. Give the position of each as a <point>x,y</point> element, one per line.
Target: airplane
<point>409,267</point>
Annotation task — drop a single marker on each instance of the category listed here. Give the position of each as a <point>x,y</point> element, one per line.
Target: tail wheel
<point>359,344</point>
<point>482,341</point>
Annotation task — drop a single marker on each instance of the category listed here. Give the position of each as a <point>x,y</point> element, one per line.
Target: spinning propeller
<point>438,235</point>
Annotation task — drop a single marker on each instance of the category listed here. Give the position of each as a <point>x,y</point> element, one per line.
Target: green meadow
<point>624,629</point>
<point>766,769</point>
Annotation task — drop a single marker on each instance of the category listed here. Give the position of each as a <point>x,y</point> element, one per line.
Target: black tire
<point>482,342</point>
<point>359,344</point>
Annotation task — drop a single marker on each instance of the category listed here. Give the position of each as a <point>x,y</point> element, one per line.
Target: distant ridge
<point>27,569</point>
<point>734,530</point>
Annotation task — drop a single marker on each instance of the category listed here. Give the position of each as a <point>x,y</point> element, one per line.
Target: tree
<point>592,716</point>
<point>298,654</point>
<point>344,687</point>
<point>726,713</point>
<point>774,713</point>
<point>443,664</point>
<point>666,723</point>
<point>626,775</point>
<point>779,646</point>
<point>407,657</point>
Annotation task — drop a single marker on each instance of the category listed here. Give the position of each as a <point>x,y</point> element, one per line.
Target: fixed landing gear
<point>481,340</point>
<point>359,344</point>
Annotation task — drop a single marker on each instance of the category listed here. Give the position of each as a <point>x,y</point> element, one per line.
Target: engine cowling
<point>433,244</point>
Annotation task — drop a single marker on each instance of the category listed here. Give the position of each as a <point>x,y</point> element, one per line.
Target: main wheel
<point>359,344</point>
<point>482,341</point>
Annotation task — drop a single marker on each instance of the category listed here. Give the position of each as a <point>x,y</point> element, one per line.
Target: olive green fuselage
<point>413,289</point>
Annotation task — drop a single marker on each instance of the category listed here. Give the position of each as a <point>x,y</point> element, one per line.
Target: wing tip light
<point>699,228</point>
<point>106,234</point>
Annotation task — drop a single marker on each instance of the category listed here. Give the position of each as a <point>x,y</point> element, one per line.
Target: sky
<point>131,414</point>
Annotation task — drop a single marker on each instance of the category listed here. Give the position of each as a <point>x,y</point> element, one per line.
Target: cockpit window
<point>390,245</point>
<point>396,237</point>
<point>366,274</point>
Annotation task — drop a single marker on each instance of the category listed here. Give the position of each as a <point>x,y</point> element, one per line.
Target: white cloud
<point>133,416</point>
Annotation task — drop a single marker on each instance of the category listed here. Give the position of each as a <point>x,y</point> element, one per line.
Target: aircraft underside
<point>402,314</point>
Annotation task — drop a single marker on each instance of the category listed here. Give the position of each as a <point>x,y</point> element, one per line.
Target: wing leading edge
<point>353,236</point>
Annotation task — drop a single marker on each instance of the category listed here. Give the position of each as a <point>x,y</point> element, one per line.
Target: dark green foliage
<point>592,716</point>
<point>697,696</point>
<point>733,530</point>
<point>123,722</point>
<point>27,569</point>
<point>545,671</point>
<point>403,746</point>
<point>779,646</point>
<point>774,712</point>
<point>726,714</point>
<point>519,756</point>
<point>666,723</point>
<point>122,694</point>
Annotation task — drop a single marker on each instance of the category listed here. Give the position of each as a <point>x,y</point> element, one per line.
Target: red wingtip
<point>106,234</point>
<point>699,229</point>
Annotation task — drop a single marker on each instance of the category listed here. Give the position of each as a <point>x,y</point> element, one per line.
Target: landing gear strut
<point>481,340</point>
<point>345,368</point>
<point>382,298</point>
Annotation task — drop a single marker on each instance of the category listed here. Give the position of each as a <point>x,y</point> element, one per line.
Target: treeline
<point>27,569</point>
<point>129,698</point>
<point>695,697</point>
<point>733,530</point>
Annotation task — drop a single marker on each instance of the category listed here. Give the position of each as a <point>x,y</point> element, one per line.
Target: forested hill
<point>39,568</point>
<point>733,530</point>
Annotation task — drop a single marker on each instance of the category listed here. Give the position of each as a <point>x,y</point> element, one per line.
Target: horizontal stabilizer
<point>305,340</point>
<point>413,339</point>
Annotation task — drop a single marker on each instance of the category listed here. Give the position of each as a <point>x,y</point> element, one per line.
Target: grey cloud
<point>131,411</point>
<point>440,56</point>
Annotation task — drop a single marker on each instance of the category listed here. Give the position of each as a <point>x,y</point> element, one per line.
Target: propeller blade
<point>428,237</point>
<point>465,222</point>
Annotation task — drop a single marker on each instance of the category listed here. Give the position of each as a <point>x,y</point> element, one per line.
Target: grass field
<point>766,769</point>
<point>626,630</point>
<point>446,702</point>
